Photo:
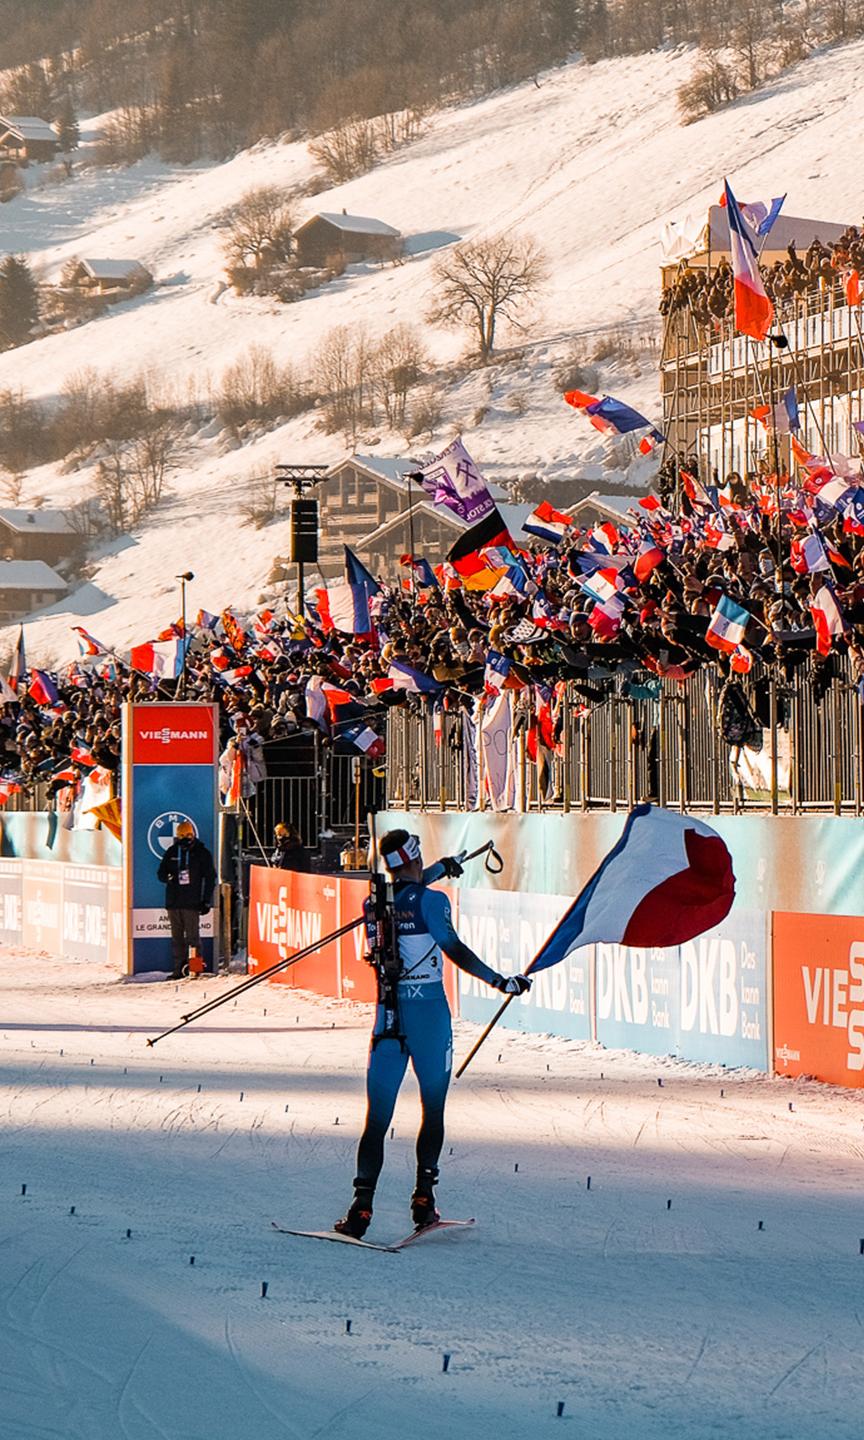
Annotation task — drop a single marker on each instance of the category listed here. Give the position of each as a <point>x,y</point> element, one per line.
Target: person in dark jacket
<point>189,875</point>
<point>289,852</point>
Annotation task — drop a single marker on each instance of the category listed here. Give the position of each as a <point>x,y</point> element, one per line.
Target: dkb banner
<point>705,1000</point>
<point>506,932</point>
<point>169,775</point>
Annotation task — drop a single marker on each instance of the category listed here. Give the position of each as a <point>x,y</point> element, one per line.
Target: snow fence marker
<point>445,1366</point>
<point>347,1327</point>
<point>263,1289</point>
<point>560,1408</point>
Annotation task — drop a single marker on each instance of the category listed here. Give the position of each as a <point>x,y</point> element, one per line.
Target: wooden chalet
<point>27,137</point>
<point>37,535</point>
<point>329,237</point>
<point>369,503</point>
<point>596,509</point>
<point>27,585</point>
<point>110,277</point>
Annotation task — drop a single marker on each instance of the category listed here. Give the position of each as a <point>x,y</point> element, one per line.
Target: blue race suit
<point>424,929</point>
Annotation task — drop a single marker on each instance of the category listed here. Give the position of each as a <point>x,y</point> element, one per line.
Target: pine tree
<point>19,301</point>
<point>66,125</point>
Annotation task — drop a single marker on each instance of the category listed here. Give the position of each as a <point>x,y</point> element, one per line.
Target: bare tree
<point>260,229</point>
<point>348,150</point>
<point>482,282</point>
<point>342,372</point>
<point>398,361</point>
<point>152,454</point>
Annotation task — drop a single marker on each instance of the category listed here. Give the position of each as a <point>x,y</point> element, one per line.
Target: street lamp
<point>187,575</point>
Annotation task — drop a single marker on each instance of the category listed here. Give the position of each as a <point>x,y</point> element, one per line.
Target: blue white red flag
<point>160,658</point>
<point>42,688</point>
<point>405,677</point>
<point>647,559</point>
<point>668,879</point>
<point>727,625</point>
<point>357,574</point>
<point>87,643</point>
<point>809,555</point>
<point>828,618</point>
<point>18,670</point>
<point>499,674</point>
<point>348,608</point>
<point>547,523</point>
<point>754,312</point>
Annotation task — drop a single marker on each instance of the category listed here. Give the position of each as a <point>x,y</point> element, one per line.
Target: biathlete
<point>417,1026</point>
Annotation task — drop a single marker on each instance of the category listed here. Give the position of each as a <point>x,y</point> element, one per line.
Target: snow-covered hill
<point>590,162</point>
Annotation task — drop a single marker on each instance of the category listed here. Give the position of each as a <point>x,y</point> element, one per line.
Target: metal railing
<point>667,747</point>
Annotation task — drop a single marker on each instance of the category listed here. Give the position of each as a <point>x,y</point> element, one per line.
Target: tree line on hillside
<point>211,76</point>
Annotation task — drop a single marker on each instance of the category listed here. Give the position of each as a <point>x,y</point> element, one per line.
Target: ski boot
<point>423,1211</point>
<point>355,1222</point>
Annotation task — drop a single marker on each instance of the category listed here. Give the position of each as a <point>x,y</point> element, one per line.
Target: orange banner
<point>289,910</point>
<point>819,997</point>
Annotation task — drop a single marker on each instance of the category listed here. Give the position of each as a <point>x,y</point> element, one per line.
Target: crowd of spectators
<point>707,293</point>
<point>274,675</point>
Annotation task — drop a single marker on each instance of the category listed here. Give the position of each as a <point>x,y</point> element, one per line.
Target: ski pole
<point>490,1027</point>
<point>491,854</point>
<point>256,979</point>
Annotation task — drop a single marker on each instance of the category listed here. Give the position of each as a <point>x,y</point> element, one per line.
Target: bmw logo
<point>160,835</point>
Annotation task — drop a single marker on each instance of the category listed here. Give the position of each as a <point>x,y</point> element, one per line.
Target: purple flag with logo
<point>454,481</point>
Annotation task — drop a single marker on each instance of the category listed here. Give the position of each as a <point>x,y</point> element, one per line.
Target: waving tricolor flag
<point>827,618</point>
<point>161,658</point>
<point>347,608</point>
<point>668,879</point>
<point>42,688</point>
<point>728,624</point>
<point>754,312</point>
<point>547,523</point>
<point>87,643</point>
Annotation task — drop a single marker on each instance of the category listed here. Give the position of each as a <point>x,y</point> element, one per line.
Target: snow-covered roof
<point>356,224</point>
<point>37,522</point>
<point>29,127</point>
<point>395,471</point>
<point>29,575</point>
<point>113,269</point>
<point>614,504</point>
<point>785,230</point>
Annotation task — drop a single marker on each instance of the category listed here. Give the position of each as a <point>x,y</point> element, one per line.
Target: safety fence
<point>774,991</point>
<point>663,743</point>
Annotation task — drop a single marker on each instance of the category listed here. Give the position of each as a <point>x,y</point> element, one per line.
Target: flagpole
<point>411,548</point>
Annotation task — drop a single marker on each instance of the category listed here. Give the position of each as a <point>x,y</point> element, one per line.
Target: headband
<point>403,854</point>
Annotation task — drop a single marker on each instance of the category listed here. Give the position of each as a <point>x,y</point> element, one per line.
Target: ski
<point>433,1230</point>
<point>393,1249</point>
<point>334,1235</point>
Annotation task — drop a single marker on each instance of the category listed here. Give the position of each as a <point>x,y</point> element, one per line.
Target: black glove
<point>514,984</point>
<point>204,908</point>
<point>452,866</point>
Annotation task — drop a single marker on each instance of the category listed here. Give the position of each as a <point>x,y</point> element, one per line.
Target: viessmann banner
<point>170,752</point>
<point>819,997</point>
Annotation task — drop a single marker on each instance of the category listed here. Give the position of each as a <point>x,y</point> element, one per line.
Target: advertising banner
<point>507,934</point>
<point>704,1000</point>
<point>84,932</point>
<point>42,903</point>
<point>819,997</point>
<point>11,909</point>
<point>170,753</point>
<point>287,912</point>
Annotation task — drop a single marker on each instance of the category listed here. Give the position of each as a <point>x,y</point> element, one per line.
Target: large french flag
<point>348,608</point>
<point>728,624</point>
<point>668,879</point>
<point>754,312</point>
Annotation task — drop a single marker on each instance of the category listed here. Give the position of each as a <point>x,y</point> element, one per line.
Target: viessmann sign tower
<point>170,754</point>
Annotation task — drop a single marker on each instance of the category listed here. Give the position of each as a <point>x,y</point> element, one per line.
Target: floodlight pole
<point>300,478</point>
